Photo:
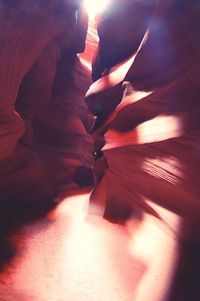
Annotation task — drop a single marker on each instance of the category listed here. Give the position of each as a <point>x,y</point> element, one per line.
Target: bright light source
<point>95,6</point>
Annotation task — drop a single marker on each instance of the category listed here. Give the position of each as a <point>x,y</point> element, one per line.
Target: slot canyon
<point>99,150</point>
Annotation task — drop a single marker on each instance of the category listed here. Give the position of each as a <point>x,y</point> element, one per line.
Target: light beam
<point>94,7</point>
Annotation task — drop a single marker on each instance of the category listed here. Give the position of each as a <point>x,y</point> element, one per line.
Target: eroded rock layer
<point>43,116</point>
<point>146,100</point>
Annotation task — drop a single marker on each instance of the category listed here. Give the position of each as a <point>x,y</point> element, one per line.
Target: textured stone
<point>42,137</point>
<point>148,142</point>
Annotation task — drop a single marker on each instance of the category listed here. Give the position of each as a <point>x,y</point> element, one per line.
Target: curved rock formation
<point>42,137</point>
<point>147,115</point>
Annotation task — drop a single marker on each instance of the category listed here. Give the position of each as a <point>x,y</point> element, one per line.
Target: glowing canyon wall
<point>146,101</point>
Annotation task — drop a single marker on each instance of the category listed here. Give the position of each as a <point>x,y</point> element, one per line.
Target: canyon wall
<point>43,115</point>
<point>145,97</point>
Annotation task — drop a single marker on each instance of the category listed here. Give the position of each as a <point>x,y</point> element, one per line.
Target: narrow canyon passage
<point>99,150</point>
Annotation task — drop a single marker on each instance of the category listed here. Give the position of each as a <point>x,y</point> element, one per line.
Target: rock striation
<point>43,116</point>
<point>146,101</point>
